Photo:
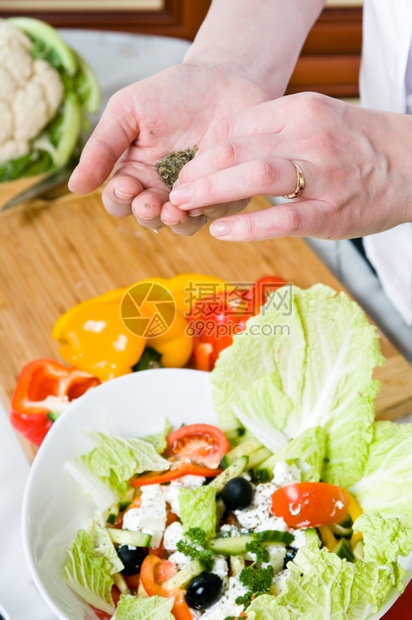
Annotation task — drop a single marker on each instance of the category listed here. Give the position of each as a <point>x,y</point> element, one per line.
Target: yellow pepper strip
<point>95,338</point>
<point>354,511</point>
<point>327,537</point>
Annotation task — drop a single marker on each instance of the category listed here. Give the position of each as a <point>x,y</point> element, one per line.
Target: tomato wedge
<point>202,444</point>
<point>152,570</point>
<point>183,469</point>
<point>310,504</point>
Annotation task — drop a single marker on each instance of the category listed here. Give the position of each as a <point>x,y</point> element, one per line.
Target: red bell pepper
<point>44,388</point>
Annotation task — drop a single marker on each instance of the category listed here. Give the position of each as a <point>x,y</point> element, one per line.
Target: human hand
<point>356,163</point>
<point>142,123</point>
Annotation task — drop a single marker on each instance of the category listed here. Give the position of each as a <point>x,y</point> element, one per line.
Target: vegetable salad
<point>298,506</point>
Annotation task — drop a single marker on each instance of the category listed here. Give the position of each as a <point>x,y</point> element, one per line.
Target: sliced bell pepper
<point>183,469</point>
<point>94,336</point>
<point>150,573</point>
<point>43,390</point>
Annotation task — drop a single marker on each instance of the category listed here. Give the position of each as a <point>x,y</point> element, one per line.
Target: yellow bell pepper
<point>354,511</point>
<point>95,338</point>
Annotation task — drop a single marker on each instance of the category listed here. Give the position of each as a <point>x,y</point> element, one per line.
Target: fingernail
<point>72,176</point>
<point>181,194</point>
<point>220,229</point>
<point>122,195</point>
<point>195,212</point>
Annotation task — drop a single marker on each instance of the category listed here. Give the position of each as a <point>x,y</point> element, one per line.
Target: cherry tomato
<point>183,469</point>
<point>149,572</point>
<point>310,504</point>
<point>260,291</point>
<point>202,444</point>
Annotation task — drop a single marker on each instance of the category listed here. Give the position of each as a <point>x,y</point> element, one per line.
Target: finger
<point>119,194</point>
<point>116,130</point>
<point>149,203</point>
<point>218,211</point>
<point>173,216</point>
<point>180,221</point>
<point>227,154</point>
<point>270,177</point>
<point>301,219</point>
<point>190,226</point>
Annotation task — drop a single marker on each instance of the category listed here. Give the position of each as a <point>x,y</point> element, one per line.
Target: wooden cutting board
<point>55,255</point>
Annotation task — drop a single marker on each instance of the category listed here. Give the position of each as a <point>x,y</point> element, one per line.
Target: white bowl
<point>55,506</point>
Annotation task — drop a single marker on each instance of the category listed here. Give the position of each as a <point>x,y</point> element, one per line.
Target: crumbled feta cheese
<point>300,539</point>
<point>284,474</point>
<point>171,496</point>
<point>188,482</point>
<point>272,523</point>
<point>180,560</point>
<point>220,567</point>
<point>173,533</point>
<point>260,509</point>
<point>150,517</point>
<point>226,605</point>
<point>279,582</point>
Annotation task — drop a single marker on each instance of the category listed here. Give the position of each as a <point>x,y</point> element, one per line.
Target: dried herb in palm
<point>170,166</point>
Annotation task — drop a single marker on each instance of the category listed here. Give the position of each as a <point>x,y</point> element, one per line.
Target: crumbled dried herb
<point>170,166</point>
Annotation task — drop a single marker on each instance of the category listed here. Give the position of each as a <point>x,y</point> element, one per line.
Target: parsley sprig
<point>256,581</point>
<point>195,547</point>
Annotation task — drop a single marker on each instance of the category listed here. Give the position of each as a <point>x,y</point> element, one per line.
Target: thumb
<point>114,133</point>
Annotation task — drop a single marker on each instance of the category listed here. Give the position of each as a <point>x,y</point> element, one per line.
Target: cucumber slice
<point>182,578</point>
<point>358,550</point>
<point>237,564</point>
<point>236,545</point>
<point>234,470</point>
<point>235,435</point>
<point>244,449</point>
<point>37,29</point>
<point>126,537</point>
<point>311,537</point>
<point>259,456</point>
<point>343,529</point>
<point>344,550</point>
<point>263,472</point>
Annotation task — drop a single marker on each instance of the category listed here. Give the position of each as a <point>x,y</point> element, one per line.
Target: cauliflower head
<point>46,93</point>
<point>31,91</point>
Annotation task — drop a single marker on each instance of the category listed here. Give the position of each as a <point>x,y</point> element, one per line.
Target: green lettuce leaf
<point>321,585</point>
<point>91,564</point>
<point>198,509</point>
<point>384,541</point>
<point>158,440</point>
<point>265,607</point>
<point>307,452</point>
<point>152,608</point>
<point>386,485</point>
<point>115,460</point>
<point>308,366</point>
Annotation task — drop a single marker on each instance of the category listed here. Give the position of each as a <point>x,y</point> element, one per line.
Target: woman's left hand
<point>356,164</point>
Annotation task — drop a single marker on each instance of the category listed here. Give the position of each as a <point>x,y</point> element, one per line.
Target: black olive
<point>204,590</point>
<point>237,494</point>
<point>290,555</point>
<point>132,558</point>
